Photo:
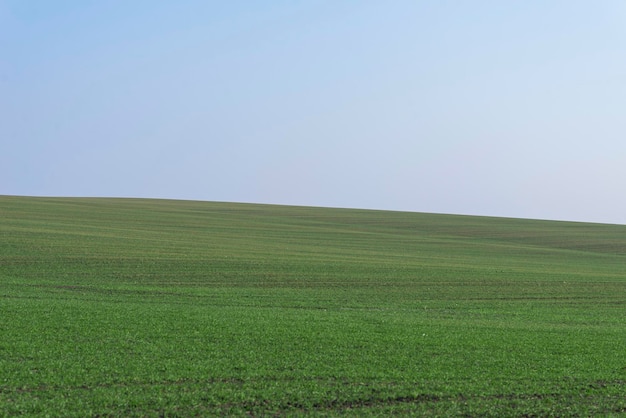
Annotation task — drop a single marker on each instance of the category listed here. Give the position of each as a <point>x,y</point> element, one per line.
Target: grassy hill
<point>135,307</point>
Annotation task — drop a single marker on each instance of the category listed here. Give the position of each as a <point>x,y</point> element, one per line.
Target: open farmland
<point>130,307</point>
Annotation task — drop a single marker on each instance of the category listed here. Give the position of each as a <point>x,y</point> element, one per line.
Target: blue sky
<point>480,107</point>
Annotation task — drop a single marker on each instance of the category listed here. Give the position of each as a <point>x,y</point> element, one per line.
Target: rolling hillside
<point>142,307</point>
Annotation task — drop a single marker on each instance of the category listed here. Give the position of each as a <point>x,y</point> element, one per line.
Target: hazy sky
<point>505,108</point>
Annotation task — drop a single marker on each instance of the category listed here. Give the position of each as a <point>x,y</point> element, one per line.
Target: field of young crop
<point>130,307</point>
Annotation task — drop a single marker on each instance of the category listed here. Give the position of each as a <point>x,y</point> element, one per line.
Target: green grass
<point>130,307</point>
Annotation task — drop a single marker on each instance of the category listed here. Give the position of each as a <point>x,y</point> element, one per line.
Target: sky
<point>494,108</point>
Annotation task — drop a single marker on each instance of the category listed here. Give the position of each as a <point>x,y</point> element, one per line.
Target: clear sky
<point>503,108</point>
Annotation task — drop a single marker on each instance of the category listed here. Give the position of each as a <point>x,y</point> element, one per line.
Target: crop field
<point>136,307</point>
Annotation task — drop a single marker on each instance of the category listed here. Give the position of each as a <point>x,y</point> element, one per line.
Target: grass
<point>130,307</point>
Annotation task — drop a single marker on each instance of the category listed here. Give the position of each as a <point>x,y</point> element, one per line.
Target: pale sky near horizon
<point>495,108</point>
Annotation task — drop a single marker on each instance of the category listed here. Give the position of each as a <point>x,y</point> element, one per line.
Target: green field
<point>131,307</point>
